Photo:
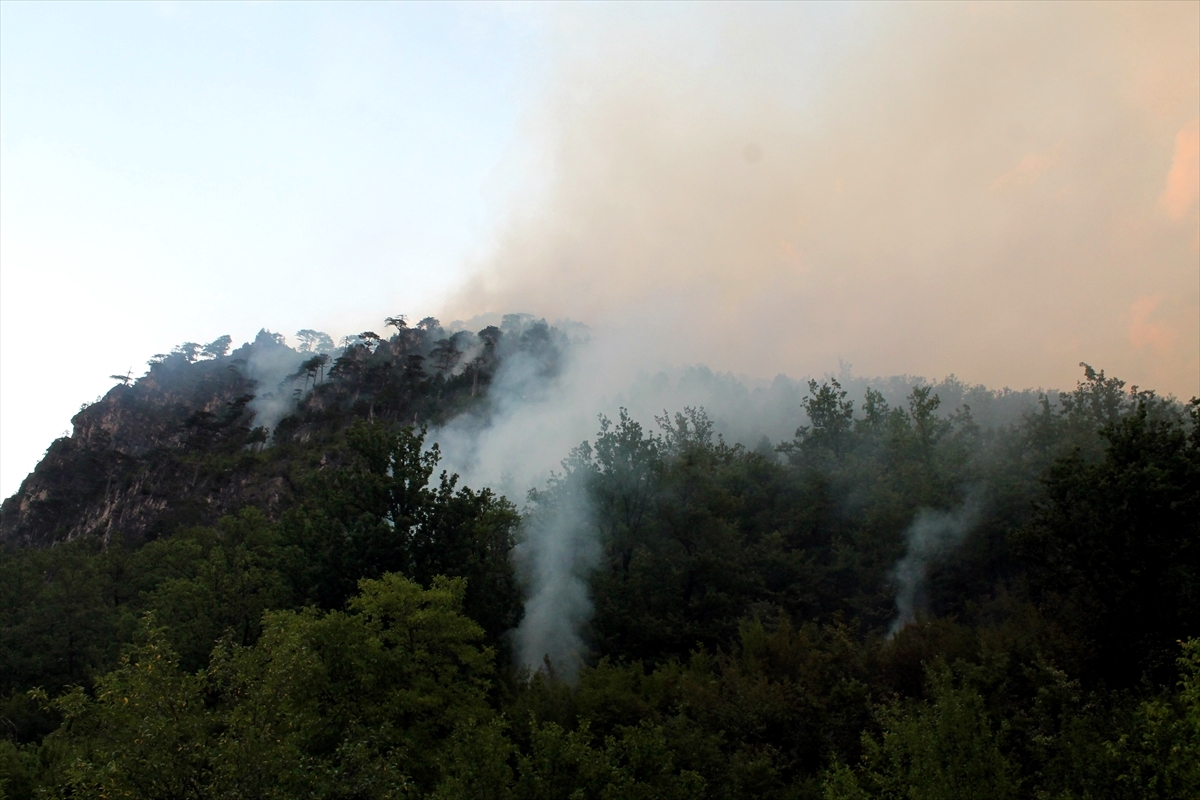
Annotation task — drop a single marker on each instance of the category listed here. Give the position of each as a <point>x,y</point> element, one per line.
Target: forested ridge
<point>245,574</point>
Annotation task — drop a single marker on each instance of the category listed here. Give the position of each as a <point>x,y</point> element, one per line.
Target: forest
<point>246,574</point>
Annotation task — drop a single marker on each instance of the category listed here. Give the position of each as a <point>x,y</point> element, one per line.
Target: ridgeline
<point>244,575</point>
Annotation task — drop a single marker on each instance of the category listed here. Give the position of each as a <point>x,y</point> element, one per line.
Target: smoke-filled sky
<point>998,191</point>
<point>992,190</point>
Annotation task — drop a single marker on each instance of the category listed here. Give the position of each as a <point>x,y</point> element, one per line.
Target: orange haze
<point>998,191</point>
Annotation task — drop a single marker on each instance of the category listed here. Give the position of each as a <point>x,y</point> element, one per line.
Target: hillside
<point>187,442</point>
<point>247,573</point>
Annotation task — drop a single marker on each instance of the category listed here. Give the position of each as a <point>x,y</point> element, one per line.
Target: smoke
<point>271,364</point>
<point>532,418</point>
<point>931,535</point>
<point>557,551</point>
<point>999,191</point>
<point>988,189</point>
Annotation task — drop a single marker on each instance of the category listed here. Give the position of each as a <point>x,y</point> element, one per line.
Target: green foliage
<point>227,580</point>
<point>62,614</point>
<point>378,513</point>
<point>18,772</point>
<point>1114,548</point>
<point>1160,756</point>
<point>475,763</point>
<point>943,749</point>
<point>354,704</point>
<point>832,418</point>
<point>754,722</point>
<point>142,733</point>
<point>635,764</point>
<point>345,635</point>
<point>698,534</point>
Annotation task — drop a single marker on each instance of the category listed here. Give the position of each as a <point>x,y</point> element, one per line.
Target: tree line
<point>357,642</point>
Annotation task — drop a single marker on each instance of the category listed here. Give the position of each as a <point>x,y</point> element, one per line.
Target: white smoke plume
<point>930,536</point>
<point>531,421</point>
<point>270,363</point>
<point>1000,190</point>
<point>557,551</point>
<point>995,190</point>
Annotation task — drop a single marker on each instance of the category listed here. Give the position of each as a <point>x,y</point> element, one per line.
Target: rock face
<point>197,438</point>
<point>133,461</point>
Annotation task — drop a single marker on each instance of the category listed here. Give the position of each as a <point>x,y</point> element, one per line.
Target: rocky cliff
<point>197,437</point>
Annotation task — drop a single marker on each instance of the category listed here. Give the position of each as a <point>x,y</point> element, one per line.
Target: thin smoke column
<point>558,550</point>
<point>270,365</point>
<point>532,416</point>
<point>929,537</point>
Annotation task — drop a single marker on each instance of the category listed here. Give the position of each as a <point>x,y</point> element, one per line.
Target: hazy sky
<point>998,191</point>
<point>175,172</point>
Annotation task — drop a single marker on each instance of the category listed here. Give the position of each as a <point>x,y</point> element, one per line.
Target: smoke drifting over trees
<point>996,190</point>
<point>669,553</point>
<point>931,534</point>
<point>818,577</point>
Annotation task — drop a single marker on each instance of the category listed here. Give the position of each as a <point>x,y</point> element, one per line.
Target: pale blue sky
<point>176,171</point>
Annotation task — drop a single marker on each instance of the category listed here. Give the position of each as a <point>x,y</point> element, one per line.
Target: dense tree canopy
<point>346,631</point>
